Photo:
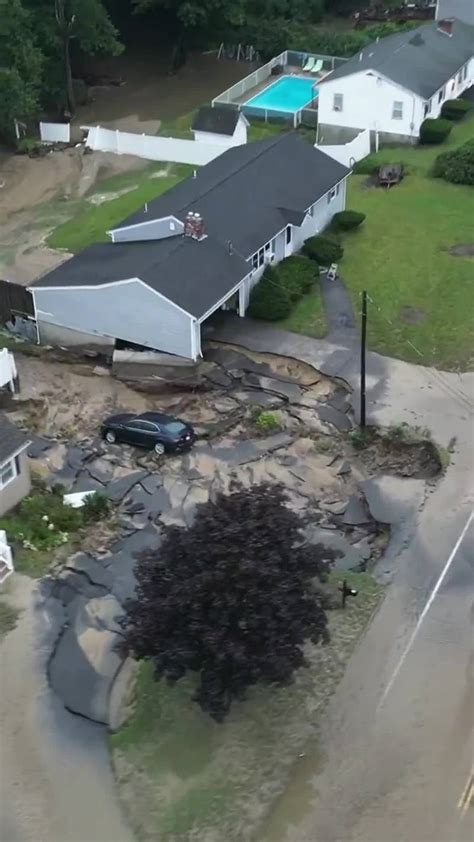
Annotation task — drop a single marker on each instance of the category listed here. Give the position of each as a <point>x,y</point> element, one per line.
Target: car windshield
<point>174,427</point>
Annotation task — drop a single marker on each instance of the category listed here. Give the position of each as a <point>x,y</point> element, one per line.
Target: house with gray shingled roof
<point>15,482</point>
<point>394,83</point>
<point>195,249</point>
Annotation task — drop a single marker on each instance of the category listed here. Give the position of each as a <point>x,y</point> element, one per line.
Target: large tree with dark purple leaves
<point>231,599</point>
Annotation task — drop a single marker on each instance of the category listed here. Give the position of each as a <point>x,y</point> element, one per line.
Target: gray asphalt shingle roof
<point>245,196</point>
<point>420,59</point>
<point>217,120</point>
<point>11,439</point>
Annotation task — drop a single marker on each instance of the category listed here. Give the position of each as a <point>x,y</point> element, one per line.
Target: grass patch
<point>92,222</point>
<point>400,256</point>
<point>184,776</point>
<point>307,316</point>
<point>8,618</point>
<point>43,528</point>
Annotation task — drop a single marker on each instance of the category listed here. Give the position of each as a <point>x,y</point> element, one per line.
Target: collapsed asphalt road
<point>398,736</point>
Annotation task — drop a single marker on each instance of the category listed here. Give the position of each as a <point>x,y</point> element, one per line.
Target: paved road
<point>398,738</point>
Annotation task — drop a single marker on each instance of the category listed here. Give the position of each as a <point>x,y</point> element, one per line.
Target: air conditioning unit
<point>269,258</point>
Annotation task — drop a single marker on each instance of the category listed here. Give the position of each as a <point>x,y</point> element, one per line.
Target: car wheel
<point>159,448</point>
<point>110,436</point>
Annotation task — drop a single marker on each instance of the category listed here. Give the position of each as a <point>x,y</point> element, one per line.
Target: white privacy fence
<point>152,148</point>
<point>55,132</point>
<point>348,153</point>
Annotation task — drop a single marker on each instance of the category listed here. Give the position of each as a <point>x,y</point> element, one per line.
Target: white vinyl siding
<point>127,310</point>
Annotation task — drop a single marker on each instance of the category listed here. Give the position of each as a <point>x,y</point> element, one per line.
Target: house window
<point>459,77</point>
<point>441,95</point>
<point>337,102</point>
<point>267,247</point>
<point>427,108</point>
<point>464,71</point>
<point>258,259</point>
<point>255,261</point>
<point>7,473</point>
<point>17,465</point>
<point>288,235</point>
<point>332,195</point>
<point>397,111</point>
<point>337,189</point>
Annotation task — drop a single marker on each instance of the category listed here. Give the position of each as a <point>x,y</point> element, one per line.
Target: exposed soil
<point>462,250</point>
<point>40,193</point>
<point>412,315</point>
<point>383,454</point>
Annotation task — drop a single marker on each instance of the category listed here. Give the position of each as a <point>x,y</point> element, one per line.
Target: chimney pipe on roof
<point>189,224</point>
<point>194,173</point>
<point>446,25</point>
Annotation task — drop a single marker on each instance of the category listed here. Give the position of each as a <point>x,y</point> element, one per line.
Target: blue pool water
<point>290,93</point>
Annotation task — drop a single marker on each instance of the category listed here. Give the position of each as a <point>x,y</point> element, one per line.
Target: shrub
<point>348,219</point>
<point>456,166</point>
<point>455,109</point>
<point>95,507</point>
<point>323,250</point>
<point>434,131</point>
<point>266,421</point>
<point>372,163</point>
<point>268,299</point>
<point>297,276</point>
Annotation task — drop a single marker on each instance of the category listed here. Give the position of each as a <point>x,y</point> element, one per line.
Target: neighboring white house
<point>395,82</point>
<point>195,249</point>
<point>15,480</point>
<point>220,126</point>
<point>8,372</point>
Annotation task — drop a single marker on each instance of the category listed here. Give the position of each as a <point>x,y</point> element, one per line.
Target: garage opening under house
<point>196,249</point>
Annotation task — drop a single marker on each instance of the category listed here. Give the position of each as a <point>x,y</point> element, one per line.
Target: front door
<point>288,240</point>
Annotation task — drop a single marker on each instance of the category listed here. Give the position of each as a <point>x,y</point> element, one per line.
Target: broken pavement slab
<point>118,488</point>
<point>85,662</point>
<point>391,499</point>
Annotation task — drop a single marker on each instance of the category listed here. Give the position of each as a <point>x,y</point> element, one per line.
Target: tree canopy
<point>231,598</point>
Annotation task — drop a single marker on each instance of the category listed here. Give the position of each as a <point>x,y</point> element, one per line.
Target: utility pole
<point>363,344</point>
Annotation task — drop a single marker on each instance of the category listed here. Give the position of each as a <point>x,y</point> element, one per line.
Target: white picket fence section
<point>8,372</point>
<point>152,148</point>
<point>55,132</point>
<point>6,558</point>
<point>348,153</point>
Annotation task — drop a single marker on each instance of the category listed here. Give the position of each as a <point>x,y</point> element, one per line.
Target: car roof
<point>159,417</point>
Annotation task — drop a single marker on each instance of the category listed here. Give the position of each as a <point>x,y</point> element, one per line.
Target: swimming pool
<point>288,94</point>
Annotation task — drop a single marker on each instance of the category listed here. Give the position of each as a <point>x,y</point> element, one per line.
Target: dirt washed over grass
<point>182,776</point>
<point>91,223</point>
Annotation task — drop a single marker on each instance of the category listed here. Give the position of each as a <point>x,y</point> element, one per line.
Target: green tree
<point>21,65</point>
<point>58,24</point>
<point>231,599</point>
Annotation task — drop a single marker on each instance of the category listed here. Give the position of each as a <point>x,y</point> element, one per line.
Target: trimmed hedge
<point>434,131</point>
<point>457,165</point>
<point>455,109</point>
<point>268,299</point>
<point>323,250</point>
<point>348,219</point>
<point>297,276</point>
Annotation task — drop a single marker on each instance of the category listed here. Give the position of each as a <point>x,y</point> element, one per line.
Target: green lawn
<point>91,223</point>
<point>307,316</point>
<point>182,776</point>
<point>422,307</point>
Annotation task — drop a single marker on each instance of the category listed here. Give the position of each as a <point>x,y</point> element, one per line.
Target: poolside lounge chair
<point>318,66</point>
<point>309,65</point>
